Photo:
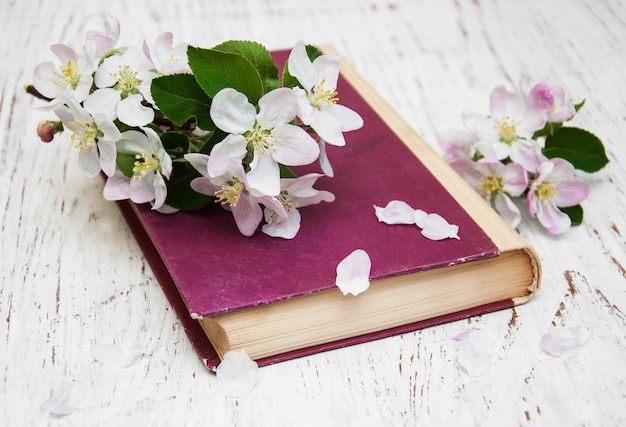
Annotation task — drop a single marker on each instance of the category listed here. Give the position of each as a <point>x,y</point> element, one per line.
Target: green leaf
<point>578,106</point>
<point>217,136</point>
<point>259,56</point>
<point>180,97</point>
<point>175,141</point>
<point>291,81</point>
<point>285,172</point>
<point>126,163</point>
<point>581,148</point>
<point>180,195</point>
<point>575,214</point>
<point>215,70</point>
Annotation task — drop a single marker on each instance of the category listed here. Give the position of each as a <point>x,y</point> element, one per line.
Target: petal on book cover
<point>565,342</point>
<point>353,273</point>
<point>396,212</point>
<point>117,355</point>
<point>435,227</point>
<point>474,351</point>
<point>237,374</point>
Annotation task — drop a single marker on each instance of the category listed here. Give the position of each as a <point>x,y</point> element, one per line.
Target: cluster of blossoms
<point>179,126</point>
<point>523,149</point>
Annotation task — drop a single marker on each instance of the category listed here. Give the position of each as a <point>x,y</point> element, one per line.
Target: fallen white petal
<point>435,227</point>
<point>117,355</point>
<point>353,273</point>
<point>396,212</point>
<point>61,403</point>
<point>237,374</point>
<point>474,351</point>
<point>564,342</point>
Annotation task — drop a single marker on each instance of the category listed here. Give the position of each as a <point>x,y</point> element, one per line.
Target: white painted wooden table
<point>73,277</point>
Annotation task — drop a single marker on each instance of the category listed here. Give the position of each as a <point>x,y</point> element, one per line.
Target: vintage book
<point>277,298</point>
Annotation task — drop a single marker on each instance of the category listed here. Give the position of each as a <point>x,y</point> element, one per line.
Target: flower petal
<point>247,214</point>
<point>277,107</point>
<point>564,342</point>
<point>226,155</point>
<point>117,187</point>
<point>435,227</point>
<point>348,119</point>
<point>265,175</point>
<point>236,374</point>
<point>353,273</point>
<point>396,212</point>
<point>132,112</point>
<point>294,146</point>
<point>474,351</point>
<point>300,66</point>
<point>61,403</point>
<point>117,355</point>
<point>507,210</point>
<point>285,228</point>
<point>552,218</point>
<point>232,112</point>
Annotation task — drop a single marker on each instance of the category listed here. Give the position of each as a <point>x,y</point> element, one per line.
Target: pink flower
<point>511,119</point>
<point>232,190</point>
<point>551,98</point>
<point>496,181</point>
<point>555,186</point>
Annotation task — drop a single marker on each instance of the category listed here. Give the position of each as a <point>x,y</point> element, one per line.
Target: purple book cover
<point>206,266</point>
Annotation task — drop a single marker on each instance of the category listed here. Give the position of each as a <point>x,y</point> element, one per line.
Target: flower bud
<point>46,130</point>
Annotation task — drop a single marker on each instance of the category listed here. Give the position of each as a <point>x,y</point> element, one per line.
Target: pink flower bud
<point>45,131</point>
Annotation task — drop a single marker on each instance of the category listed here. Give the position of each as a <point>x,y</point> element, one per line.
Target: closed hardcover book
<point>276,299</point>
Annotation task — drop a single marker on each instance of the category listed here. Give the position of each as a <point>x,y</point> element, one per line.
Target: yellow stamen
<point>127,81</point>
<point>84,133</point>
<point>490,185</point>
<point>144,165</point>
<point>230,193</point>
<point>260,139</point>
<point>507,130</point>
<point>70,73</point>
<point>323,95</point>
<point>546,192</point>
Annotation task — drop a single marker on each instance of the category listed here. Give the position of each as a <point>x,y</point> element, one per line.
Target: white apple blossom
<point>509,121</point>
<point>152,164</point>
<point>551,97</point>
<point>496,182</point>
<point>232,190</point>
<point>102,43</point>
<point>123,83</point>
<point>317,98</point>
<point>166,58</point>
<point>268,135</point>
<point>94,136</point>
<point>71,78</point>
<point>295,193</point>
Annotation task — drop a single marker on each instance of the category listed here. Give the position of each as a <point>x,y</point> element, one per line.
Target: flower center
<point>506,128</point>
<point>260,139</point>
<point>282,198</point>
<point>70,73</point>
<point>127,81</point>
<point>322,95</point>
<point>230,192</point>
<point>546,192</point>
<point>145,164</point>
<point>490,185</point>
<point>85,134</point>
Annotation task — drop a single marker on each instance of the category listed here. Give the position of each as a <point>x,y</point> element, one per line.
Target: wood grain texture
<point>73,278</point>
